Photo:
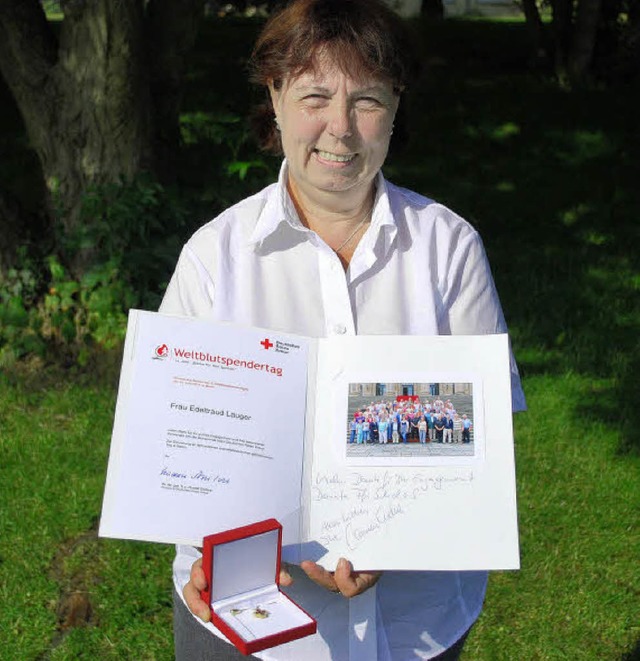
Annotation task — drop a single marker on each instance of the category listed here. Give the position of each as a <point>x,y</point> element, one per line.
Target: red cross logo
<point>266,343</point>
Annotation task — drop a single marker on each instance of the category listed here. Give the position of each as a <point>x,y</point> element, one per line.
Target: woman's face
<point>335,130</point>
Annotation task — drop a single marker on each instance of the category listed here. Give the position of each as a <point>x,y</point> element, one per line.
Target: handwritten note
<point>365,503</point>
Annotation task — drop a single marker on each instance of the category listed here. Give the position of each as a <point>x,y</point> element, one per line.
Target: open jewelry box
<point>242,567</point>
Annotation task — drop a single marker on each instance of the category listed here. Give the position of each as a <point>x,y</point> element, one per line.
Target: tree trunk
<point>536,31</point>
<point>11,235</point>
<point>631,40</point>
<point>562,11</point>
<point>87,98</point>
<point>584,39</point>
<point>83,99</point>
<point>171,33</point>
<point>433,9</point>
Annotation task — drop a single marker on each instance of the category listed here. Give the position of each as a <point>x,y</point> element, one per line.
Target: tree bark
<point>562,11</point>
<point>536,31</point>
<point>87,98</point>
<point>171,31</point>
<point>584,39</point>
<point>82,98</point>
<point>632,39</point>
<point>433,9</point>
<point>11,235</point>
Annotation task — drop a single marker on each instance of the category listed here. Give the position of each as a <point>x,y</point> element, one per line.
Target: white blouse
<point>419,270</point>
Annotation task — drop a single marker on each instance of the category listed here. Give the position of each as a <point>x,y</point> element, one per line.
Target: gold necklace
<point>355,231</point>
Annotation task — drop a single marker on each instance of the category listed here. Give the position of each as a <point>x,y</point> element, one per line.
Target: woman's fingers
<point>191,592</point>
<point>352,583</point>
<point>319,575</point>
<point>285,577</point>
<point>343,580</point>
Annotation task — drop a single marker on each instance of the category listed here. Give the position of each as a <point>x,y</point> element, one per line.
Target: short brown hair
<point>365,37</point>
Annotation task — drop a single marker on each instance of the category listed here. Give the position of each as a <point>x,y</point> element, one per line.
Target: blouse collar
<point>279,209</point>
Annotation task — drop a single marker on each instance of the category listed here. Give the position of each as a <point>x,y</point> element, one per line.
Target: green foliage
<point>576,595</point>
<point>18,326</point>
<point>230,134</point>
<point>78,314</point>
<point>224,158</point>
<point>135,226</point>
<point>127,242</point>
<point>131,233</point>
<point>71,317</point>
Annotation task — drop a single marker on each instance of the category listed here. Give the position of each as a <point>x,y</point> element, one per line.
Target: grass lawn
<point>577,593</point>
<point>65,594</point>
<point>550,180</point>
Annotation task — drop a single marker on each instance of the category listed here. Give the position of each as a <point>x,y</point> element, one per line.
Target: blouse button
<point>340,329</point>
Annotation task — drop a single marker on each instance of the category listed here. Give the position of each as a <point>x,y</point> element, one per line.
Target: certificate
<point>219,426</point>
<point>208,432</point>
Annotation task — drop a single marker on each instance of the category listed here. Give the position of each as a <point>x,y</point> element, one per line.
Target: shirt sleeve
<point>191,289</point>
<point>472,305</point>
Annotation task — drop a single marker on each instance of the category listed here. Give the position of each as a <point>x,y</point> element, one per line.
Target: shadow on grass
<point>549,179</point>
<point>634,654</point>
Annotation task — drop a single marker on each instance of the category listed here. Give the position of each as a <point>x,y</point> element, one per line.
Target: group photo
<point>410,419</point>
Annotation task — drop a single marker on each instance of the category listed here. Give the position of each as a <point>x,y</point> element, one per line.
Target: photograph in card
<point>410,420</point>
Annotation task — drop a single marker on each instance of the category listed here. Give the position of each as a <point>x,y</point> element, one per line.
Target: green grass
<point>54,439</point>
<point>550,180</point>
<point>577,593</point>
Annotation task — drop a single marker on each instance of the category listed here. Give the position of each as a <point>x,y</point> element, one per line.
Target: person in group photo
<point>422,429</point>
<point>438,424</point>
<point>373,429</point>
<point>317,253</point>
<point>382,428</point>
<point>404,428</point>
<point>448,428</point>
<point>457,428</point>
<point>431,426</point>
<point>366,426</point>
<point>395,429</point>
<point>466,429</point>
<point>353,427</point>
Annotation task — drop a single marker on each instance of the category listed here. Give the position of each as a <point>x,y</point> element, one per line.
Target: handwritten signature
<point>356,533</point>
<point>197,476</point>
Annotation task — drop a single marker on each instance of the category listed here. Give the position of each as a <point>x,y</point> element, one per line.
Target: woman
<point>366,426</point>
<point>315,254</point>
<point>404,428</point>
<point>352,430</point>
<point>422,429</point>
<point>457,428</point>
<point>395,429</point>
<point>382,428</point>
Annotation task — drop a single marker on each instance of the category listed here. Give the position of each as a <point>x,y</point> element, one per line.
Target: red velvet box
<point>242,567</point>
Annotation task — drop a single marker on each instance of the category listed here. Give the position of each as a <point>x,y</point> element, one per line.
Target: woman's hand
<point>344,580</point>
<point>191,592</point>
<point>198,582</point>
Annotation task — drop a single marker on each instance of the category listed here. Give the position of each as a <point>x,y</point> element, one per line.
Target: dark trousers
<point>195,643</point>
